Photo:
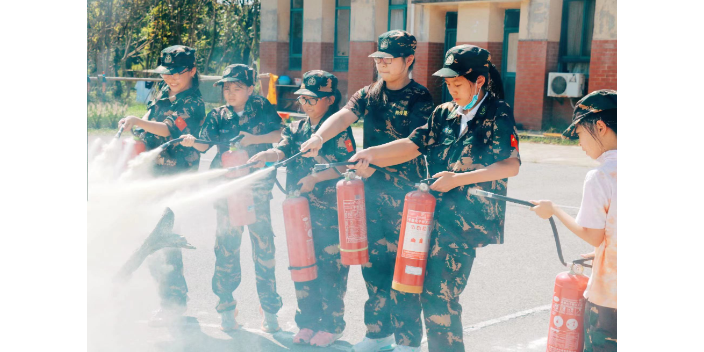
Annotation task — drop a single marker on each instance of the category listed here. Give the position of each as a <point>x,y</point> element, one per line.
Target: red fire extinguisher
<point>299,238</point>
<point>352,219</point>
<point>566,332</point>
<point>138,148</point>
<point>414,241</point>
<point>240,204</point>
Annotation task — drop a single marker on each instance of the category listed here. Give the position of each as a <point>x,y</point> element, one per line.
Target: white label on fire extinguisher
<point>355,222</point>
<point>416,238</point>
<point>572,306</point>
<point>414,270</point>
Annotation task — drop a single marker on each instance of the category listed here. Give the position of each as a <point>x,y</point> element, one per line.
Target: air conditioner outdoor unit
<point>565,85</point>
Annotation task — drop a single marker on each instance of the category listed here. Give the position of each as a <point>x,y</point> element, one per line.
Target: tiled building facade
<point>528,39</point>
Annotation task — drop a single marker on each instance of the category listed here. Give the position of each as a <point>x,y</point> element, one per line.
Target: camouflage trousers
<point>166,266</point>
<point>228,273</point>
<point>321,304</point>
<point>446,277</point>
<point>387,311</point>
<point>599,328</point>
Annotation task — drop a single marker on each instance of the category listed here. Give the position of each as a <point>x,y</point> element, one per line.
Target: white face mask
<point>474,99</point>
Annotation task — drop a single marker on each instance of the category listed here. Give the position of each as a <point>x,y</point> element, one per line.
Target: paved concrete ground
<point>504,304</point>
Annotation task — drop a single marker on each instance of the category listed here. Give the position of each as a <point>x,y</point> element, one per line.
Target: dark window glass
<point>342,41</point>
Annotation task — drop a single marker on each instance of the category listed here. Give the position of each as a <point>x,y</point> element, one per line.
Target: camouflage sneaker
<point>270,323</point>
<point>375,345</point>
<point>228,321</point>
<point>324,339</point>
<point>303,336</point>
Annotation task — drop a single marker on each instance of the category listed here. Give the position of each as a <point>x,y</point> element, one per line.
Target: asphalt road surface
<point>505,304</point>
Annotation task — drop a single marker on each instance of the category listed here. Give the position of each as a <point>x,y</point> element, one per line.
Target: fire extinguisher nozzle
<point>119,132</point>
<point>321,167</point>
<point>480,193</point>
<point>236,139</point>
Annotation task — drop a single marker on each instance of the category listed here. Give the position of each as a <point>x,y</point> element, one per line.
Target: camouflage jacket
<point>259,117</point>
<point>407,109</point>
<point>491,136</point>
<point>339,148</point>
<point>183,115</point>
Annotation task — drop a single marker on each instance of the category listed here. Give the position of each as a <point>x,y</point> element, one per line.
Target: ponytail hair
<point>335,107</point>
<point>493,85</point>
<point>195,82</point>
<point>496,85</point>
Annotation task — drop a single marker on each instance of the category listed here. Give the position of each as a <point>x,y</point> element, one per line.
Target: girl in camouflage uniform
<point>255,118</point>
<point>176,110</point>
<point>391,108</point>
<point>321,306</point>
<point>471,142</point>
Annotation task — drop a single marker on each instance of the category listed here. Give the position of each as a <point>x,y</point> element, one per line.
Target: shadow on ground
<point>191,337</point>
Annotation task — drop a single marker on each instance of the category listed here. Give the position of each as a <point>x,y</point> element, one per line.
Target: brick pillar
<point>429,57</point>
<point>538,49</point>
<point>361,67</point>
<point>317,56</point>
<point>273,58</point>
<point>535,60</point>
<point>602,68</point>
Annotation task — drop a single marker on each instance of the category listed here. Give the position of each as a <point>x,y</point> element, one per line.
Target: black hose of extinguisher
<point>203,141</point>
<point>322,167</point>
<point>281,164</point>
<point>490,195</point>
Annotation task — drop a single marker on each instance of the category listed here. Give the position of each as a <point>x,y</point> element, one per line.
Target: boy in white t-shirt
<point>594,123</point>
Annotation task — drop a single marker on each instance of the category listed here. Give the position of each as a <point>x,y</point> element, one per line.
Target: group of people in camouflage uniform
<point>470,141</point>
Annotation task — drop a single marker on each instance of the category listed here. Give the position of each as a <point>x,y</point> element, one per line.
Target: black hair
<point>608,117</point>
<point>335,107</point>
<point>494,84</point>
<point>375,95</point>
<point>195,82</point>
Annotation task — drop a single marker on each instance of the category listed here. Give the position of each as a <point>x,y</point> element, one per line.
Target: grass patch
<point>102,131</point>
<point>547,140</point>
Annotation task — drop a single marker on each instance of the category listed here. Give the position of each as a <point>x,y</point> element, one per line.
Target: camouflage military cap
<point>590,105</point>
<point>464,59</point>
<point>396,43</point>
<point>237,73</point>
<point>318,84</point>
<point>175,59</point>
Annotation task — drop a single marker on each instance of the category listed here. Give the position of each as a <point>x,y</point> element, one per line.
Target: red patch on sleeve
<point>514,141</point>
<point>350,147</point>
<point>181,123</point>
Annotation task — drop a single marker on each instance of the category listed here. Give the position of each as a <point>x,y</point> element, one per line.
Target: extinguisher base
<point>406,288</point>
